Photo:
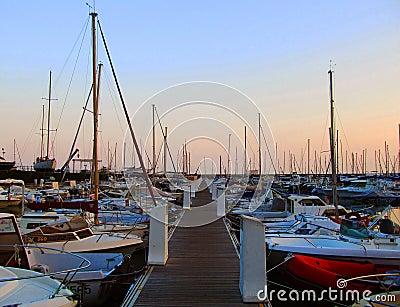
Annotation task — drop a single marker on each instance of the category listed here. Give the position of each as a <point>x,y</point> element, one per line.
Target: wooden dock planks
<point>202,269</point>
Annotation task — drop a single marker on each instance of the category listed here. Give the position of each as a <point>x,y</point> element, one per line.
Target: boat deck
<point>202,269</point>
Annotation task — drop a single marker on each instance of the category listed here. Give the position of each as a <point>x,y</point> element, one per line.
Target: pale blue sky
<point>276,52</point>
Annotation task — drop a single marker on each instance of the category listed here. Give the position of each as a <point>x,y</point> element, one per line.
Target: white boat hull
<point>29,288</point>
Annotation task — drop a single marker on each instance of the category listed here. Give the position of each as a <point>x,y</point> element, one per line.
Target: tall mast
<point>95,112</point>
<point>333,143</point>
<point>308,158</point>
<point>259,144</point>
<point>154,142</point>
<point>236,161</point>
<point>229,154</point>
<point>48,120</point>
<point>398,170</point>
<point>165,151</point>
<point>245,150</point>
<point>124,157</point>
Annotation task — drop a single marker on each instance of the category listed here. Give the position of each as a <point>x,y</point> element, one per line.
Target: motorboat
<point>92,276</point>
<point>355,243</point>
<point>20,287</point>
<point>75,235</point>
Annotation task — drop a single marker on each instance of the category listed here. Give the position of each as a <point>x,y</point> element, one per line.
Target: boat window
<point>34,225</point>
<point>41,217</point>
<point>84,233</point>
<point>6,225</point>
<point>312,202</point>
<point>358,184</point>
<point>332,212</point>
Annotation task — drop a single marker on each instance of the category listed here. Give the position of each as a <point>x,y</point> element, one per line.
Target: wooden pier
<point>202,269</point>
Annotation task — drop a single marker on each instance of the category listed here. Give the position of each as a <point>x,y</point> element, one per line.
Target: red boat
<point>324,273</point>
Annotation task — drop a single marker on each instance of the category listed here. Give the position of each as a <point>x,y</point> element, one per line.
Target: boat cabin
<point>12,252</point>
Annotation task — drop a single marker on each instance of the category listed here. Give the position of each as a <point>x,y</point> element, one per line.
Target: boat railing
<point>85,263</point>
<point>317,228</point>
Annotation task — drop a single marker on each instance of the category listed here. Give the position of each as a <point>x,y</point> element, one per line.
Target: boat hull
<point>45,165</point>
<point>325,273</point>
<point>6,165</point>
<point>278,249</point>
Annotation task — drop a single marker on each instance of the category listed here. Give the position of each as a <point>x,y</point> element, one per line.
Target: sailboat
<point>45,163</point>
<point>4,164</point>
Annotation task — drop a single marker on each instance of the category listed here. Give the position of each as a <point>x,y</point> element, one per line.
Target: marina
<point>133,183</point>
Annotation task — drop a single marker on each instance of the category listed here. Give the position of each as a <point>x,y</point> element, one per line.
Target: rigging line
<point>148,158</point>
<point>19,156</point>
<point>69,86</point>
<point>29,137</point>
<point>84,27</point>
<point>324,132</point>
<point>77,132</point>
<point>162,131</point>
<point>158,156</point>
<point>341,125</point>
<point>269,153</point>
<point>143,167</point>
<point>108,82</point>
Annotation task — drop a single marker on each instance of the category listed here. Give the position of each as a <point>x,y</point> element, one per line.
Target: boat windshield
<point>84,233</point>
<point>312,202</point>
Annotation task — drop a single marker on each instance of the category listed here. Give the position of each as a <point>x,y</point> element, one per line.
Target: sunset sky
<point>275,52</point>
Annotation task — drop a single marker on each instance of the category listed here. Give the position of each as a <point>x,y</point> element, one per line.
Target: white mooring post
<point>214,191</point>
<point>220,201</point>
<point>252,259</point>
<point>192,189</point>
<point>186,197</point>
<point>158,237</point>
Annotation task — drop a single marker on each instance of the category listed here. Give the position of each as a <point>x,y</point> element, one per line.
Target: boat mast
<point>154,142</point>
<point>48,121</point>
<point>42,130</point>
<point>165,151</point>
<point>308,159</point>
<point>398,155</point>
<point>245,150</point>
<point>95,169</point>
<point>259,143</point>
<point>229,155</point>
<point>333,144</point>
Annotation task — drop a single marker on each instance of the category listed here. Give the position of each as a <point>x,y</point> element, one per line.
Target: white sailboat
<point>45,163</point>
